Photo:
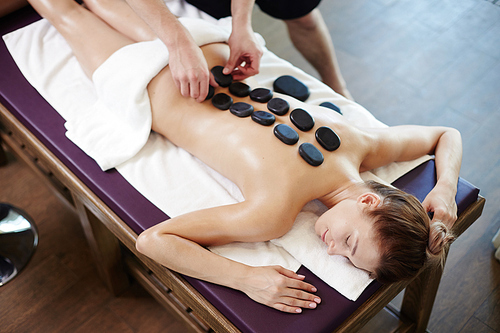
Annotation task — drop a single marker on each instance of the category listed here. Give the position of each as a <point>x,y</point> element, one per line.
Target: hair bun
<point>439,240</point>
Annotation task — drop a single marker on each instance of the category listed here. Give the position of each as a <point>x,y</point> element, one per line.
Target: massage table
<point>113,213</point>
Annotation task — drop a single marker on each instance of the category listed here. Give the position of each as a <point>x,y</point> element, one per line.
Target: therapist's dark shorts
<point>280,9</point>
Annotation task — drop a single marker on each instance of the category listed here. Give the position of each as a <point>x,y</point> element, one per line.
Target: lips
<point>324,236</point>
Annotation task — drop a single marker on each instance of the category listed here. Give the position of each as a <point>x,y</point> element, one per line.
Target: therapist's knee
<point>306,22</point>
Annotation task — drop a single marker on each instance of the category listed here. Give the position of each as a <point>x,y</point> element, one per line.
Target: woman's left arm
<point>441,200</point>
<point>404,143</point>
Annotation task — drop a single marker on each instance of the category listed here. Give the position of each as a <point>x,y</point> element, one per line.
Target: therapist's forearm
<point>241,11</point>
<point>165,24</point>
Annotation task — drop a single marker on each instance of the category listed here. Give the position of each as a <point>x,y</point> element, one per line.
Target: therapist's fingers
<point>183,86</point>
<point>245,55</point>
<point>213,83</point>
<point>204,84</point>
<point>194,84</point>
<point>249,68</point>
<point>189,70</point>
<point>194,87</point>
<point>202,91</point>
<point>230,65</point>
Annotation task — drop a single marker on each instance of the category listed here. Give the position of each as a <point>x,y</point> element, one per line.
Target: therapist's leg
<point>311,37</point>
<point>119,15</point>
<point>91,39</point>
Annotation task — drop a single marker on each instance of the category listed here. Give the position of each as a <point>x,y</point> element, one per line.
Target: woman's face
<point>347,231</point>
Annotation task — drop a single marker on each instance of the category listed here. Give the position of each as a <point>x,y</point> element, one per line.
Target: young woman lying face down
<point>379,229</point>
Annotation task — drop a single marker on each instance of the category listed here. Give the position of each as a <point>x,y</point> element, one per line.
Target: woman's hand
<point>279,288</point>
<point>441,202</point>
<point>190,71</point>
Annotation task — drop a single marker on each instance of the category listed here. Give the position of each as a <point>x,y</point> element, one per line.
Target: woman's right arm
<point>179,243</point>
<point>187,63</point>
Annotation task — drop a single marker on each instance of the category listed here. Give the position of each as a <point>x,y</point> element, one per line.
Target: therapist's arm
<point>187,63</point>
<point>246,52</point>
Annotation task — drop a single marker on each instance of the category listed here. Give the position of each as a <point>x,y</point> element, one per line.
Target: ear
<point>369,200</point>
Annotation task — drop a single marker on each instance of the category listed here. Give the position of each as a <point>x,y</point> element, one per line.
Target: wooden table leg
<point>3,154</point>
<point>105,249</point>
<point>421,292</point>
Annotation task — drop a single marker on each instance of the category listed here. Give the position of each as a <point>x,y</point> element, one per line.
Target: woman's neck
<point>351,189</point>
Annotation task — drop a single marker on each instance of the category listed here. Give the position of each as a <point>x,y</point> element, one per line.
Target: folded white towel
<point>169,177</point>
<point>118,125</point>
<point>305,246</point>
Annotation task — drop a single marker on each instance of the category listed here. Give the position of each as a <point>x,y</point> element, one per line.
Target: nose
<point>331,247</point>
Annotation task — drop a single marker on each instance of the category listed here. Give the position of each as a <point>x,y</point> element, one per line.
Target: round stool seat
<point>18,241</point>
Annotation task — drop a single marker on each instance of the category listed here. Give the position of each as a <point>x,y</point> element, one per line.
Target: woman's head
<point>405,236</point>
<point>384,231</point>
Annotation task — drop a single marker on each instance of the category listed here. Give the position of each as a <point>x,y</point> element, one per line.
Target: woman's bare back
<point>248,153</point>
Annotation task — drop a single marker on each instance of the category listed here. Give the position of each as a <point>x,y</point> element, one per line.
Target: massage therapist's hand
<point>190,71</point>
<point>279,288</point>
<point>244,49</point>
<point>441,202</point>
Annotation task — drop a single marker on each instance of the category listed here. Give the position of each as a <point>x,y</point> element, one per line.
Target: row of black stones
<point>325,136</point>
<point>285,84</point>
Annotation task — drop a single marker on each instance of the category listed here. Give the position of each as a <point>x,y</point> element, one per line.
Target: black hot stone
<point>289,85</point>
<point>222,79</point>
<point>302,119</point>
<point>239,89</point>
<point>222,101</point>
<point>211,92</point>
<point>311,154</point>
<point>262,95</point>
<point>327,138</point>
<point>332,106</point>
<point>241,109</point>
<point>263,118</point>
<point>286,134</point>
<point>278,106</point>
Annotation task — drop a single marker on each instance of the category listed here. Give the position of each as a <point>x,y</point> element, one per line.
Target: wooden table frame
<point>112,243</point>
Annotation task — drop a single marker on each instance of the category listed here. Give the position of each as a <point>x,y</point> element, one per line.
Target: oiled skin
<point>248,153</point>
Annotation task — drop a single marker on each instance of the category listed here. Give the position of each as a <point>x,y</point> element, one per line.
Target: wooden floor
<point>423,62</point>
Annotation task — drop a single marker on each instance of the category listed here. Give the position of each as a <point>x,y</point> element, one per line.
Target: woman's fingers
<point>293,305</point>
<point>294,294</point>
<point>293,301</point>
<point>279,288</point>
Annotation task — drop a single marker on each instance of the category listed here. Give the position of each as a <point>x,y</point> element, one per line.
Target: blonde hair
<point>406,239</point>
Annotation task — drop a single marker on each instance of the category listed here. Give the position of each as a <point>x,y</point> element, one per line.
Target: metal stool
<point>18,241</point>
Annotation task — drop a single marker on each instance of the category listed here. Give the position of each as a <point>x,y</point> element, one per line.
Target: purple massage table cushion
<point>24,102</point>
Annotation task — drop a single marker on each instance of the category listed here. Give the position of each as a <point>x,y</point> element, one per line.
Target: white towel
<point>313,255</point>
<point>118,125</point>
<point>169,177</point>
